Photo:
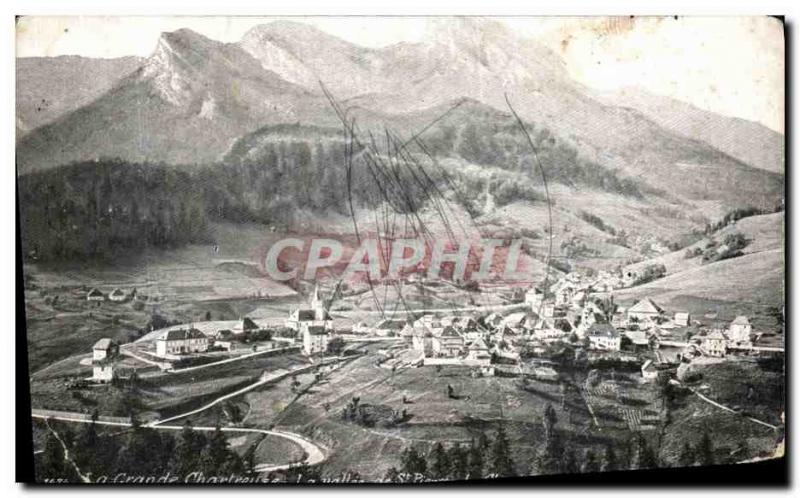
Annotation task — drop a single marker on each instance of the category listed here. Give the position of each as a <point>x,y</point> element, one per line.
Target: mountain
<point>194,99</point>
<point>50,87</point>
<point>484,61</point>
<point>186,104</point>
<point>752,143</point>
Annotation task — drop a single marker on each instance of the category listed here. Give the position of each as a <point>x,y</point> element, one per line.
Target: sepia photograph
<point>400,250</point>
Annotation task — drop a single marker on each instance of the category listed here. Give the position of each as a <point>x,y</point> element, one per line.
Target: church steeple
<point>317,303</point>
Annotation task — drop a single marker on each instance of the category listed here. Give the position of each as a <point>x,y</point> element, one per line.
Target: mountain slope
<point>186,104</point>
<point>482,60</point>
<point>50,87</point>
<point>194,97</point>
<point>749,142</point>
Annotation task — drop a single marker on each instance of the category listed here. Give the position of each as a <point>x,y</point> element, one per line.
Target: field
<point>741,385</point>
<point>751,281</point>
<point>483,404</point>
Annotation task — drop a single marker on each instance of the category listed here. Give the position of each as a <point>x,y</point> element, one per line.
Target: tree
<point>549,420</point>
<point>686,458</point>
<point>475,461</point>
<point>86,447</point>
<point>336,345</point>
<point>590,463</point>
<point>569,463</point>
<point>249,461</point>
<point>609,461</point>
<point>187,450</point>
<point>438,465</point>
<point>303,473</point>
<point>52,461</point>
<point>705,450</point>
<point>458,456</point>
<point>483,442</point>
<point>392,475</point>
<point>214,455</point>
<point>501,464</point>
<point>642,455</point>
<point>412,463</point>
<point>551,460</point>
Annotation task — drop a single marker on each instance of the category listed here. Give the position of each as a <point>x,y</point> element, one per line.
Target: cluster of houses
<point>117,295</point>
<point>571,310</point>
<point>312,326</point>
<point>575,310</point>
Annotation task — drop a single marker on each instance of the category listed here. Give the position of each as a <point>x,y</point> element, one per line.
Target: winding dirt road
<point>314,453</point>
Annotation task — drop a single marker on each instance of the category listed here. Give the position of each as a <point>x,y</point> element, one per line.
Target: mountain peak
<point>177,56</point>
<point>464,30</point>
<point>281,31</point>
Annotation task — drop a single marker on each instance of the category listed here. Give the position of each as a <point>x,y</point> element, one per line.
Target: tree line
<point>140,452</point>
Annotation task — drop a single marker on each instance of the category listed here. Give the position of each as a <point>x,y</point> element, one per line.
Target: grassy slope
<point>749,284</point>
<point>764,231</point>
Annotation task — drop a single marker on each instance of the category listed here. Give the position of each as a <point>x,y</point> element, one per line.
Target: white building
<point>104,348</point>
<point>181,341</point>
<point>649,371</point>
<point>448,343</point>
<point>534,296</point>
<point>478,351</point>
<point>117,295</point>
<point>714,344</point>
<point>315,339</point>
<point>95,295</point>
<point>603,337</point>
<point>545,373</point>
<point>644,311</point>
<point>315,316</point>
<point>682,319</point>
<point>388,327</point>
<point>104,352</point>
<point>740,330</point>
<point>103,371</point>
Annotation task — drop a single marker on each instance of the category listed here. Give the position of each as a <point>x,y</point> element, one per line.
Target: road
<point>313,452</point>
<point>731,410</point>
<point>265,379</point>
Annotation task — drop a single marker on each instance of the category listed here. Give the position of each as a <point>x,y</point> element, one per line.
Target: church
<point>313,324</point>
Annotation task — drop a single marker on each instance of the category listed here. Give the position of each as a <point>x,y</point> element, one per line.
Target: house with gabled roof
<point>518,322</point>
<point>740,330</point>
<point>644,310</point>
<point>181,341</point>
<point>478,351</point>
<point>315,339</point>
<point>649,370</point>
<point>117,295</point>
<point>603,337</point>
<point>94,294</point>
<point>714,344</point>
<point>682,319</point>
<point>104,348</point>
<point>245,326</point>
<point>448,342</point>
<point>388,327</point>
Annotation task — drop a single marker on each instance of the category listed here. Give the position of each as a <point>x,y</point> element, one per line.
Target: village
<point>575,311</point>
